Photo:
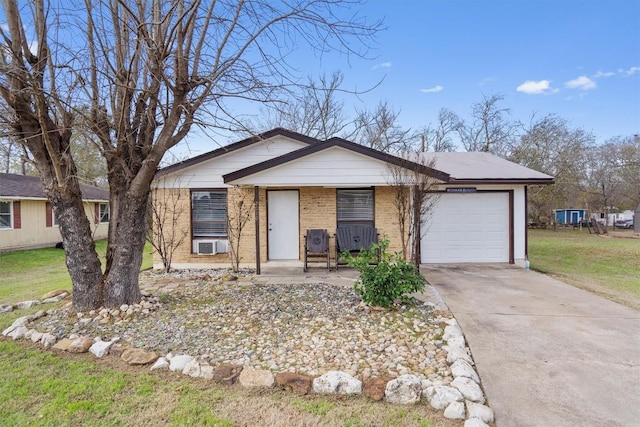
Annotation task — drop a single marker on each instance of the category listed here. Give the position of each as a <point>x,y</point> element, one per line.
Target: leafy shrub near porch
<point>385,278</point>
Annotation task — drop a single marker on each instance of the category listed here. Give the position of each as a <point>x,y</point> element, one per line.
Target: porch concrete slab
<point>548,354</point>
<point>292,273</point>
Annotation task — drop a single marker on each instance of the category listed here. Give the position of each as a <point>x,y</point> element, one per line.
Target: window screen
<point>209,213</point>
<point>355,207</point>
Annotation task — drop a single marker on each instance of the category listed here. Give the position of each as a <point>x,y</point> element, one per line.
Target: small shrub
<point>385,278</point>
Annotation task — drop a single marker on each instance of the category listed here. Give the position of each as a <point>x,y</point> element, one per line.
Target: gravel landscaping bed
<point>309,328</point>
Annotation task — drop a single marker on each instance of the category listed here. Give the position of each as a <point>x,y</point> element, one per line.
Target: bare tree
<point>241,210</point>
<point>604,185</point>
<point>414,199</point>
<point>490,130</point>
<point>315,111</point>
<point>168,222</point>
<point>439,136</point>
<point>145,72</point>
<point>551,146</point>
<point>379,129</point>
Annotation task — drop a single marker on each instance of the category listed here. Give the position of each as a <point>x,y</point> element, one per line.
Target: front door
<point>283,229</point>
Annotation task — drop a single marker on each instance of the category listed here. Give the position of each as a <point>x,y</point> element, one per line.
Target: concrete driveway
<point>548,354</point>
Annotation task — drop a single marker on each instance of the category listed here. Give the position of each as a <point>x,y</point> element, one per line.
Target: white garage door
<point>468,227</point>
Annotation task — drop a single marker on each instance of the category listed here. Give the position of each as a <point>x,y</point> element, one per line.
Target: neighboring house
<point>27,220</point>
<point>569,216</point>
<point>613,217</point>
<point>301,183</point>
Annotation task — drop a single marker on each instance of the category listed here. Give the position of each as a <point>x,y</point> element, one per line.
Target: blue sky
<point>577,59</point>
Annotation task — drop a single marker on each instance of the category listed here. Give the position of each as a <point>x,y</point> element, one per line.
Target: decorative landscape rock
<point>53,294</point>
<point>404,390</point>
<point>476,410</point>
<point>80,345</point>
<point>456,353</point>
<point>226,374</point>
<point>440,397</point>
<point>250,377</point>
<point>136,356</point>
<point>195,369</point>
<point>63,344</point>
<point>374,387</point>
<point>17,332</point>
<point>298,383</point>
<point>178,363</point>
<point>451,331</point>
<point>48,340</point>
<point>27,304</point>
<point>462,368</point>
<point>35,336</point>
<point>337,382</point>
<point>469,389</point>
<point>55,298</point>
<point>458,341</point>
<point>475,422</point>
<point>161,363</point>
<point>455,411</point>
<point>5,308</point>
<point>101,348</point>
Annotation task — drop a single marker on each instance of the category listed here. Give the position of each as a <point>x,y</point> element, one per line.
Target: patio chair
<point>316,245</point>
<point>354,238</point>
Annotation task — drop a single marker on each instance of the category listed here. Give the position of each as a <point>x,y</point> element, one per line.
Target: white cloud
<point>434,89</point>
<point>382,65</point>
<point>533,87</point>
<point>582,83</point>
<point>601,74</point>
<point>629,72</point>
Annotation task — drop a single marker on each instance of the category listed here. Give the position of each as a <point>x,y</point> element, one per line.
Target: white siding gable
<point>208,174</point>
<point>335,166</point>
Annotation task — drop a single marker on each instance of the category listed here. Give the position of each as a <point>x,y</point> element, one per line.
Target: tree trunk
<point>81,257</point>
<point>127,236</point>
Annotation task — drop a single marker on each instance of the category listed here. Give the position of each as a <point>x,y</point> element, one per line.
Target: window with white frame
<point>209,213</point>
<point>103,211</point>
<point>5,215</point>
<point>54,219</point>
<point>355,207</point>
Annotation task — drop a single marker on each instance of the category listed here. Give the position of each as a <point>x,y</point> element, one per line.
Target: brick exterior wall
<point>317,209</point>
<point>386,218</point>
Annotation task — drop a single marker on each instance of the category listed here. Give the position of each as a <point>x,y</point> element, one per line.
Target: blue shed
<point>569,216</point>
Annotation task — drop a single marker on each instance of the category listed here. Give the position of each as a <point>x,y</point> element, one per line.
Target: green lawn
<point>607,266</point>
<point>43,388</point>
<point>29,274</point>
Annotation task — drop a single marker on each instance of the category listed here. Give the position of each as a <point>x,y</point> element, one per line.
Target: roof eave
<point>235,146</point>
<point>521,181</point>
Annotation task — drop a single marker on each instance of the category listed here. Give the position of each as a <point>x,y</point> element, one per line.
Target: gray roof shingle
<point>22,186</point>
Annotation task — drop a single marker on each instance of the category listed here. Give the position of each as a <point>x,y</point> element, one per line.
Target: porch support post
<point>256,200</point>
<point>526,223</point>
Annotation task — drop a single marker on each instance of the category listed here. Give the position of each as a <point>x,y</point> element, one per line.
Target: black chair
<point>354,238</point>
<point>316,245</point>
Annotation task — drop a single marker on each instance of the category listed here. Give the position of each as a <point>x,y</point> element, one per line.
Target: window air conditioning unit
<point>210,247</point>
<point>222,246</point>
<point>205,247</point>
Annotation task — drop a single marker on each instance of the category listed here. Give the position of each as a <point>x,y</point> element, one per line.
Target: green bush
<point>385,278</point>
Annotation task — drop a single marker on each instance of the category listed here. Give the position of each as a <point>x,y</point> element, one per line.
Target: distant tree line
<point>601,176</point>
